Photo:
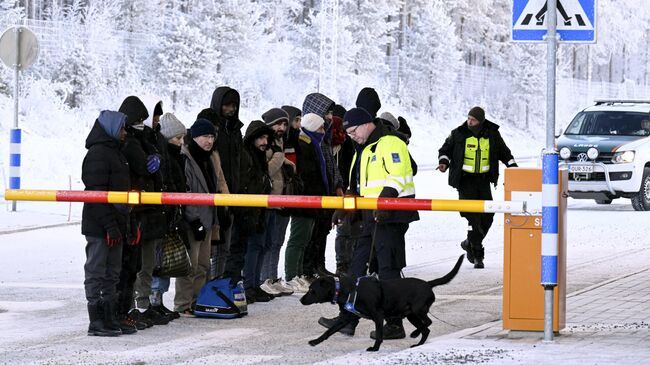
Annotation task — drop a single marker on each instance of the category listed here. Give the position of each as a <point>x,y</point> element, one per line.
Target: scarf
<point>202,158</point>
<point>316,140</point>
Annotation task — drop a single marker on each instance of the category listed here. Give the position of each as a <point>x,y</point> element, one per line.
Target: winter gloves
<point>338,216</point>
<point>113,236</point>
<point>198,230</point>
<point>153,163</point>
<point>134,239</point>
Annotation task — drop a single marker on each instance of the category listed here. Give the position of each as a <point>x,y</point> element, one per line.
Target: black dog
<point>378,299</point>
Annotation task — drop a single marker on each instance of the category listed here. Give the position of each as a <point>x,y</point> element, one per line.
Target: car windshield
<point>609,123</point>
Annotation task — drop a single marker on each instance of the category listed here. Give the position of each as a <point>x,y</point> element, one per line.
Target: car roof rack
<point>620,101</point>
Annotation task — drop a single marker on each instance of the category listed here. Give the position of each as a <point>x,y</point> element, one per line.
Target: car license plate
<point>584,169</point>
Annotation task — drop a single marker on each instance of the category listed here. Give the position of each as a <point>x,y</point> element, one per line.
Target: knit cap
<point>312,122</point>
<point>478,113</point>
<point>170,126</point>
<point>356,116</point>
<point>390,118</point>
<point>202,127</point>
<point>273,116</point>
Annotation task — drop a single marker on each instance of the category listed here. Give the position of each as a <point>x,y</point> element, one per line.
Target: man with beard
<point>224,115</point>
<point>281,170</point>
<point>251,223</point>
<point>472,153</point>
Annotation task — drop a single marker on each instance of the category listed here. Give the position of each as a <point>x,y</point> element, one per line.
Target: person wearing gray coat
<point>202,173</point>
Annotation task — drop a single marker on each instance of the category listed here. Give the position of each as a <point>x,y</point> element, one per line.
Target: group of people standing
<point>321,149</point>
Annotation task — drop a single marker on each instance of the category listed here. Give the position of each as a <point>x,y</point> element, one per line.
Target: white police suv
<point>606,149</point>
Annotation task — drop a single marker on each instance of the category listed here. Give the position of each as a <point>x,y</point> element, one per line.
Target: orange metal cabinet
<point>523,295</point>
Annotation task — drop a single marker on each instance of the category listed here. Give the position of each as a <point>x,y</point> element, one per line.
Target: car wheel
<point>603,201</point>
<point>641,200</point>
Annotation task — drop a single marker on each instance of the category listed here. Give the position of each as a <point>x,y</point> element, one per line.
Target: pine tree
<point>429,57</point>
<point>182,58</point>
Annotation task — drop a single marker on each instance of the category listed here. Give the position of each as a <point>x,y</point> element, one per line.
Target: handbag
<point>171,258</point>
<point>219,298</point>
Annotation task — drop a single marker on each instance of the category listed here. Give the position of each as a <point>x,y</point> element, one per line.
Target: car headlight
<point>592,153</point>
<point>623,157</point>
<point>565,153</point>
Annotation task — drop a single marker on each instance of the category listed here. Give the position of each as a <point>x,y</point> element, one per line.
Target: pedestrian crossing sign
<point>576,20</point>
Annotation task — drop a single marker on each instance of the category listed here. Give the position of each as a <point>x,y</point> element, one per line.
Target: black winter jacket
<point>229,138</point>
<point>452,152</point>
<point>254,177</point>
<point>151,219</point>
<point>309,170</point>
<point>104,169</point>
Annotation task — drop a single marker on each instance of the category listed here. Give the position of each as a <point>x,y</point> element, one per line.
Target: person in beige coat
<point>203,175</point>
<point>280,169</point>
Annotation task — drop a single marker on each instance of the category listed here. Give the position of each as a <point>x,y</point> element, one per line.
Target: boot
<point>478,257</point>
<point>140,321</point>
<point>465,245</point>
<point>322,271</point>
<point>155,317</point>
<point>341,269</point>
<point>96,326</point>
<point>348,330</point>
<point>157,304</point>
<point>393,330</point>
<point>172,315</point>
<point>110,320</point>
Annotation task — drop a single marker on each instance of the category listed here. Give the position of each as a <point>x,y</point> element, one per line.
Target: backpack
<point>221,299</point>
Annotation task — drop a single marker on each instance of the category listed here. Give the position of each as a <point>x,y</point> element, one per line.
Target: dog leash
<point>445,322</point>
<point>372,248</point>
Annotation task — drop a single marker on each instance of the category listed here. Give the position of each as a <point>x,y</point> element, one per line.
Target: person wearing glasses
<point>381,168</point>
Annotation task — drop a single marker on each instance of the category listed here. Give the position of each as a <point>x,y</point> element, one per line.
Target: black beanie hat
<point>478,113</point>
<point>369,100</point>
<point>356,116</point>
<point>273,116</point>
<point>202,127</point>
<point>292,111</point>
<point>339,111</point>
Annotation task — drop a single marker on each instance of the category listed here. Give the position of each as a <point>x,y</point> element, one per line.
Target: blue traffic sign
<point>576,20</point>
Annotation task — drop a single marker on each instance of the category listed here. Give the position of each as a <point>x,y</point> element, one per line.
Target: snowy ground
<point>43,318</point>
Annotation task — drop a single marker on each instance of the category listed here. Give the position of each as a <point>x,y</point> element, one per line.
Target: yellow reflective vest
<point>385,162</point>
<point>477,155</point>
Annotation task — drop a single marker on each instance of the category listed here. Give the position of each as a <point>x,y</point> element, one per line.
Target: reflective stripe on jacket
<point>386,163</point>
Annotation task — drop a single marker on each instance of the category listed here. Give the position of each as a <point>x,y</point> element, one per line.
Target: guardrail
<point>266,201</point>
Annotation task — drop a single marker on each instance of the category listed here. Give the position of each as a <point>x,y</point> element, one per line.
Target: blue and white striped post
<point>14,161</point>
<point>550,196</point>
<point>550,211</point>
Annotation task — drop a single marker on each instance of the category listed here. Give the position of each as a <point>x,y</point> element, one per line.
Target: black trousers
<point>389,251</point>
<point>476,187</point>
<point>131,265</point>
<point>315,250</point>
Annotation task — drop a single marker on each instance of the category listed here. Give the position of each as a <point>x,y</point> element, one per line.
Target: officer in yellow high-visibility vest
<point>472,153</point>
<point>381,167</point>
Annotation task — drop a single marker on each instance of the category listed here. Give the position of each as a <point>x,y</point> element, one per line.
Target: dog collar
<point>337,290</point>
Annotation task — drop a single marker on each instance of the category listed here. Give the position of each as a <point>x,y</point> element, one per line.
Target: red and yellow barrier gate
<point>266,201</point>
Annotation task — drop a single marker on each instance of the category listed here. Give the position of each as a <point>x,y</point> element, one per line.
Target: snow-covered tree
<point>429,57</point>
<point>181,60</point>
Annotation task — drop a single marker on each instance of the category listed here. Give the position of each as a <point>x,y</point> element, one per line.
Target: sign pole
<point>550,178</point>
<point>14,168</point>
